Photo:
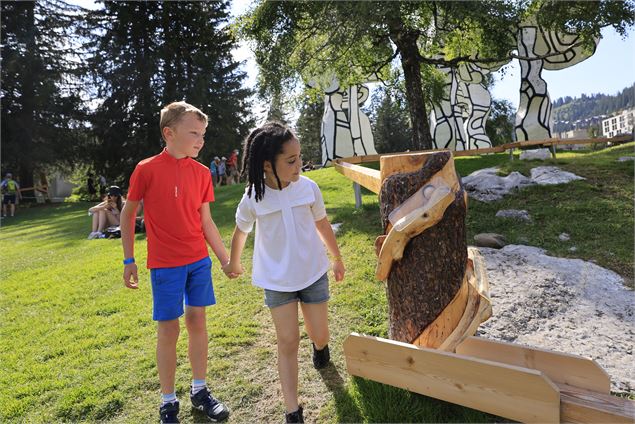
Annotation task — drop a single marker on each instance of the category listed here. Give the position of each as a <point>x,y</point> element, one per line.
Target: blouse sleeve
<point>317,207</point>
<point>245,215</point>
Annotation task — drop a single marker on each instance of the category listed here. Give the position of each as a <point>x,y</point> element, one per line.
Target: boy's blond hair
<point>172,113</point>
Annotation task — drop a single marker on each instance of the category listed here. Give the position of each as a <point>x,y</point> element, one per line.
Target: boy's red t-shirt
<point>172,191</point>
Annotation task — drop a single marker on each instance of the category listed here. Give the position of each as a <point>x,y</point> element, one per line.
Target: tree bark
<point>406,42</point>
<point>431,271</point>
<point>26,119</point>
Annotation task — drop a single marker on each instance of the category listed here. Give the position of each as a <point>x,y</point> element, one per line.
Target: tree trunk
<point>429,275</point>
<point>28,104</point>
<point>409,53</point>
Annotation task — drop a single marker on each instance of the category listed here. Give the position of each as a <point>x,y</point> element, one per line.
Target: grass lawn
<point>76,345</point>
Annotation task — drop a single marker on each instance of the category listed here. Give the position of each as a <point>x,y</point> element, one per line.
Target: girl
<point>107,213</point>
<point>289,261</point>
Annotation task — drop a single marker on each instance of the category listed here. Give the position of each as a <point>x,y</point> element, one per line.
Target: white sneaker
<point>94,235</point>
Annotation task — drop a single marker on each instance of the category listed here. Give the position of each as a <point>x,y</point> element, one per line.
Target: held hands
<point>130,278</point>
<point>233,270</point>
<point>338,269</point>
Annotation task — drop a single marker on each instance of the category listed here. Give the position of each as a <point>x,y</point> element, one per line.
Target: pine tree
<point>309,127</point>
<point>392,129</point>
<point>41,109</point>
<point>153,53</point>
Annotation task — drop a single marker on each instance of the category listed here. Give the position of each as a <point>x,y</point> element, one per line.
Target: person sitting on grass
<point>107,213</point>
<point>290,261</point>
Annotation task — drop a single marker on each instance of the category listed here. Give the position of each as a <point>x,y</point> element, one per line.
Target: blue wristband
<point>128,261</point>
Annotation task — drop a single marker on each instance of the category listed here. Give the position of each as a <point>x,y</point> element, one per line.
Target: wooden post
<point>358,195</point>
<point>427,267</point>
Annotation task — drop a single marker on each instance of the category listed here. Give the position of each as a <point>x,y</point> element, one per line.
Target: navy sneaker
<point>294,417</point>
<point>169,413</point>
<point>321,358</point>
<point>204,401</point>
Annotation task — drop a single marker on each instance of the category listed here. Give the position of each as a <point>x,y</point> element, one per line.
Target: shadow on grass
<point>345,406</point>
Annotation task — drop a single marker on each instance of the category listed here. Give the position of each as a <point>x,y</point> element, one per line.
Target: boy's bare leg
<point>316,323</point>
<point>285,318</point>
<point>197,348</point>
<point>4,209</point>
<point>12,209</point>
<point>167,336</point>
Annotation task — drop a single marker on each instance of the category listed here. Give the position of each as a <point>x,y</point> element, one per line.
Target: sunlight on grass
<point>78,346</point>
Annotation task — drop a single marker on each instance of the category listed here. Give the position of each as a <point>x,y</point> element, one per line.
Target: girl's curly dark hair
<point>263,144</point>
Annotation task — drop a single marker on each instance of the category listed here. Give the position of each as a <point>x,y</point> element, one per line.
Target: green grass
<point>76,345</point>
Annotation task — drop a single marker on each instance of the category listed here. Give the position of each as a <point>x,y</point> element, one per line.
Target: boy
<point>11,189</point>
<point>176,191</point>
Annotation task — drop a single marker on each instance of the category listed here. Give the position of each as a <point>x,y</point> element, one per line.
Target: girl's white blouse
<point>288,252</point>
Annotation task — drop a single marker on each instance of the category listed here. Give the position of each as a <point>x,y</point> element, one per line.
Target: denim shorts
<point>191,283</point>
<point>317,292</point>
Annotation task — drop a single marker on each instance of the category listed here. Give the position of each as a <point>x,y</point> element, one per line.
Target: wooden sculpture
<point>438,295</point>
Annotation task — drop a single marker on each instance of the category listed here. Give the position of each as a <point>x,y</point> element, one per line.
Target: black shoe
<point>204,401</point>
<point>294,417</point>
<point>321,358</point>
<point>169,412</point>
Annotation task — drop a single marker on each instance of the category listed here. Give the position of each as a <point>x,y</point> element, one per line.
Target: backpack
<point>11,186</point>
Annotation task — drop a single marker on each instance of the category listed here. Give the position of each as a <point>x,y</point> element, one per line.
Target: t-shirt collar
<point>171,159</point>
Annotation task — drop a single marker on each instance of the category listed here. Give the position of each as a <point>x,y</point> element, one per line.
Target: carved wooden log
<point>427,276</point>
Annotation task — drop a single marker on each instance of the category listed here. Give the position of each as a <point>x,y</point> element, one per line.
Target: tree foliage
<point>295,42</point>
<point>147,54</point>
<point>42,112</point>
<point>308,129</point>
<point>391,124</point>
<point>499,126</point>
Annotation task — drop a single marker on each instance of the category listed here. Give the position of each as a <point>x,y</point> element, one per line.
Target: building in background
<point>619,124</point>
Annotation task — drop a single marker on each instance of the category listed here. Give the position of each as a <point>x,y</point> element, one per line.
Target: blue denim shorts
<point>317,292</point>
<point>191,283</point>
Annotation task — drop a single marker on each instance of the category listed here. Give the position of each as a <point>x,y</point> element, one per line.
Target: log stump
<point>431,271</point>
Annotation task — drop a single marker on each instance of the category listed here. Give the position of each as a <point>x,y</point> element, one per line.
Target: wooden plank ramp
<point>584,385</point>
<point>506,390</point>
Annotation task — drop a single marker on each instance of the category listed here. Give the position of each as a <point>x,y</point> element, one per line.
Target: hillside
<point>588,110</point>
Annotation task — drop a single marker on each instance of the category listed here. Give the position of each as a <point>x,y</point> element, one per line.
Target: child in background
<point>290,261</point>
<point>107,213</point>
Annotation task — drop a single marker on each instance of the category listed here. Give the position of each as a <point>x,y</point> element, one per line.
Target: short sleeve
<point>245,215</point>
<point>137,187</point>
<point>317,207</point>
<point>207,188</point>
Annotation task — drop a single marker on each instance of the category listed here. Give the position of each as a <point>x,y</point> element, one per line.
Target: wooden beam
<point>496,149</point>
<point>365,177</point>
<point>582,406</point>
<point>473,152</point>
<point>561,368</point>
<point>508,391</point>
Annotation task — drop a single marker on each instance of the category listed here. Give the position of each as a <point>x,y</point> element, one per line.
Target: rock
<point>551,175</point>
<point>561,304</point>
<point>492,240</point>
<point>564,237</point>
<point>540,154</point>
<point>485,185</point>
<point>573,249</point>
<point>626,158</point>
<point>523,215</point>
